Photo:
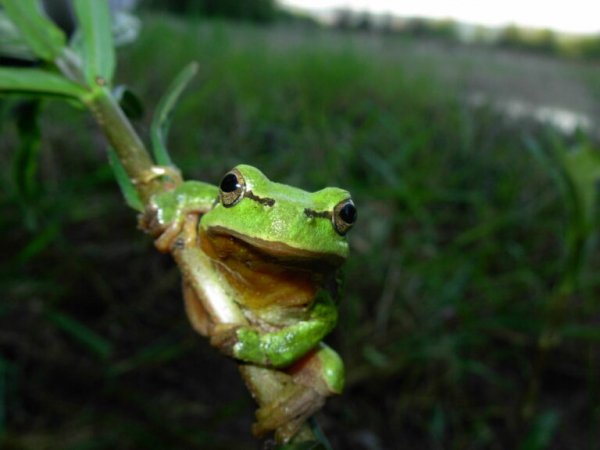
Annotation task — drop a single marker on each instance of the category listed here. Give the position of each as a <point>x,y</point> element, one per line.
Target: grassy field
<point>470,319</point>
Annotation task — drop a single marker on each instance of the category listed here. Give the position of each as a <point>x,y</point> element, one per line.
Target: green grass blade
<point>582,168</point>
<point>161,121</point>
<point>318,432</point>
<point>12,42</point>
<point>3,397</point>
<point>38,81</point>
<point>38,244</point>
<point>127,188</point>
<point>542,431</point>
<point>91,340</point>
<point>95,22</point>
<point>157,353</point>
<point>589,333</point>
<point>26,158</point>
<point>27,154</point>
<point>46,40</point>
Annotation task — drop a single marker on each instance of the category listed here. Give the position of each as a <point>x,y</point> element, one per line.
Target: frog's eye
<point>344,216</point>
<point>232,188</point>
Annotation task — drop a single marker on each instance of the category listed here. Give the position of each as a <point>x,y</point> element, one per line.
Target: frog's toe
<point>164,234</point>
<point>148,222</point>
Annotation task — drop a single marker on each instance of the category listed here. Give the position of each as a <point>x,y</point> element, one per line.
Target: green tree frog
<point>260,262</point>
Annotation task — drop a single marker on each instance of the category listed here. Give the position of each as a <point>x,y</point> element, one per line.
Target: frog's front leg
<point>165,214</point>
<point>280,348</point>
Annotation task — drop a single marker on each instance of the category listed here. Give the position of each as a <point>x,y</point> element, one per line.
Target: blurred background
<point>469,141</point>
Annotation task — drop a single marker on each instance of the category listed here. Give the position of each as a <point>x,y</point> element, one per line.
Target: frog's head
<point>281,220</point>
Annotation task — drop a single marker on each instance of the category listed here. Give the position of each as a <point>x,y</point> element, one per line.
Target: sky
<point>571,16</point>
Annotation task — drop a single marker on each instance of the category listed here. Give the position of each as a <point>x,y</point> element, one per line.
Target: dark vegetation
<point>471,312</point>
<point>512,37</point>
<point>261,11</point>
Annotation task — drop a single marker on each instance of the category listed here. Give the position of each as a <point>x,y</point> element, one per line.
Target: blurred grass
<point>459,247</point>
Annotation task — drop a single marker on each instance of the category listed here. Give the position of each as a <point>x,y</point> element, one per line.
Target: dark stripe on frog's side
<point>314,214</point>
<point>262,200</point>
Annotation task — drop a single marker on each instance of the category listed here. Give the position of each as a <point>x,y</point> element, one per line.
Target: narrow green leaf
<point>95,22</point>
<point>25,162</point>
<point>39,81</point>
<point>38,244</point>
<point>548,163</point>
<point>582,168</point>
<point>161,121</point>
<point>43,36</point>
<point>91,340</point>
<point>438,423</point>
<point>323,442</point>
<point>12,42</point>
<point>542,431</point>
<point>127,188</point>
<point>159,352</point>
<point>3,397</point>
<point>581,332</point>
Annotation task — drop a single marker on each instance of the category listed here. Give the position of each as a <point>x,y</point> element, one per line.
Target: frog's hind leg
<point>196,313</point>
<point>288,397</point>
<point>287,415</point>
<point>322,369</point>
<point>284,404</point>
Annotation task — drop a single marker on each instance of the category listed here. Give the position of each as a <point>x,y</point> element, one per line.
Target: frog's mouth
<point>228,242</point>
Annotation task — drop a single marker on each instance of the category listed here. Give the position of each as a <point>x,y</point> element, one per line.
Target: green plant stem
<point>126,142</point>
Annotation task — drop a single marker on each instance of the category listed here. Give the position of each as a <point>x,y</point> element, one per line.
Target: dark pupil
<point>229,183</point>
<point>348,213</point>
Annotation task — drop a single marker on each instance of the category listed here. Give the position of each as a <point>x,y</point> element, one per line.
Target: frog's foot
<point>164,234</point>
<point>149,219</point>
<point>172,216</point>
<point>286,415</point>
<point>160,171</point>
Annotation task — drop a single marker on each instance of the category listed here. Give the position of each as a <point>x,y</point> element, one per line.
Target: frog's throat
<point>279,250</point>
<point>264,281</point>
